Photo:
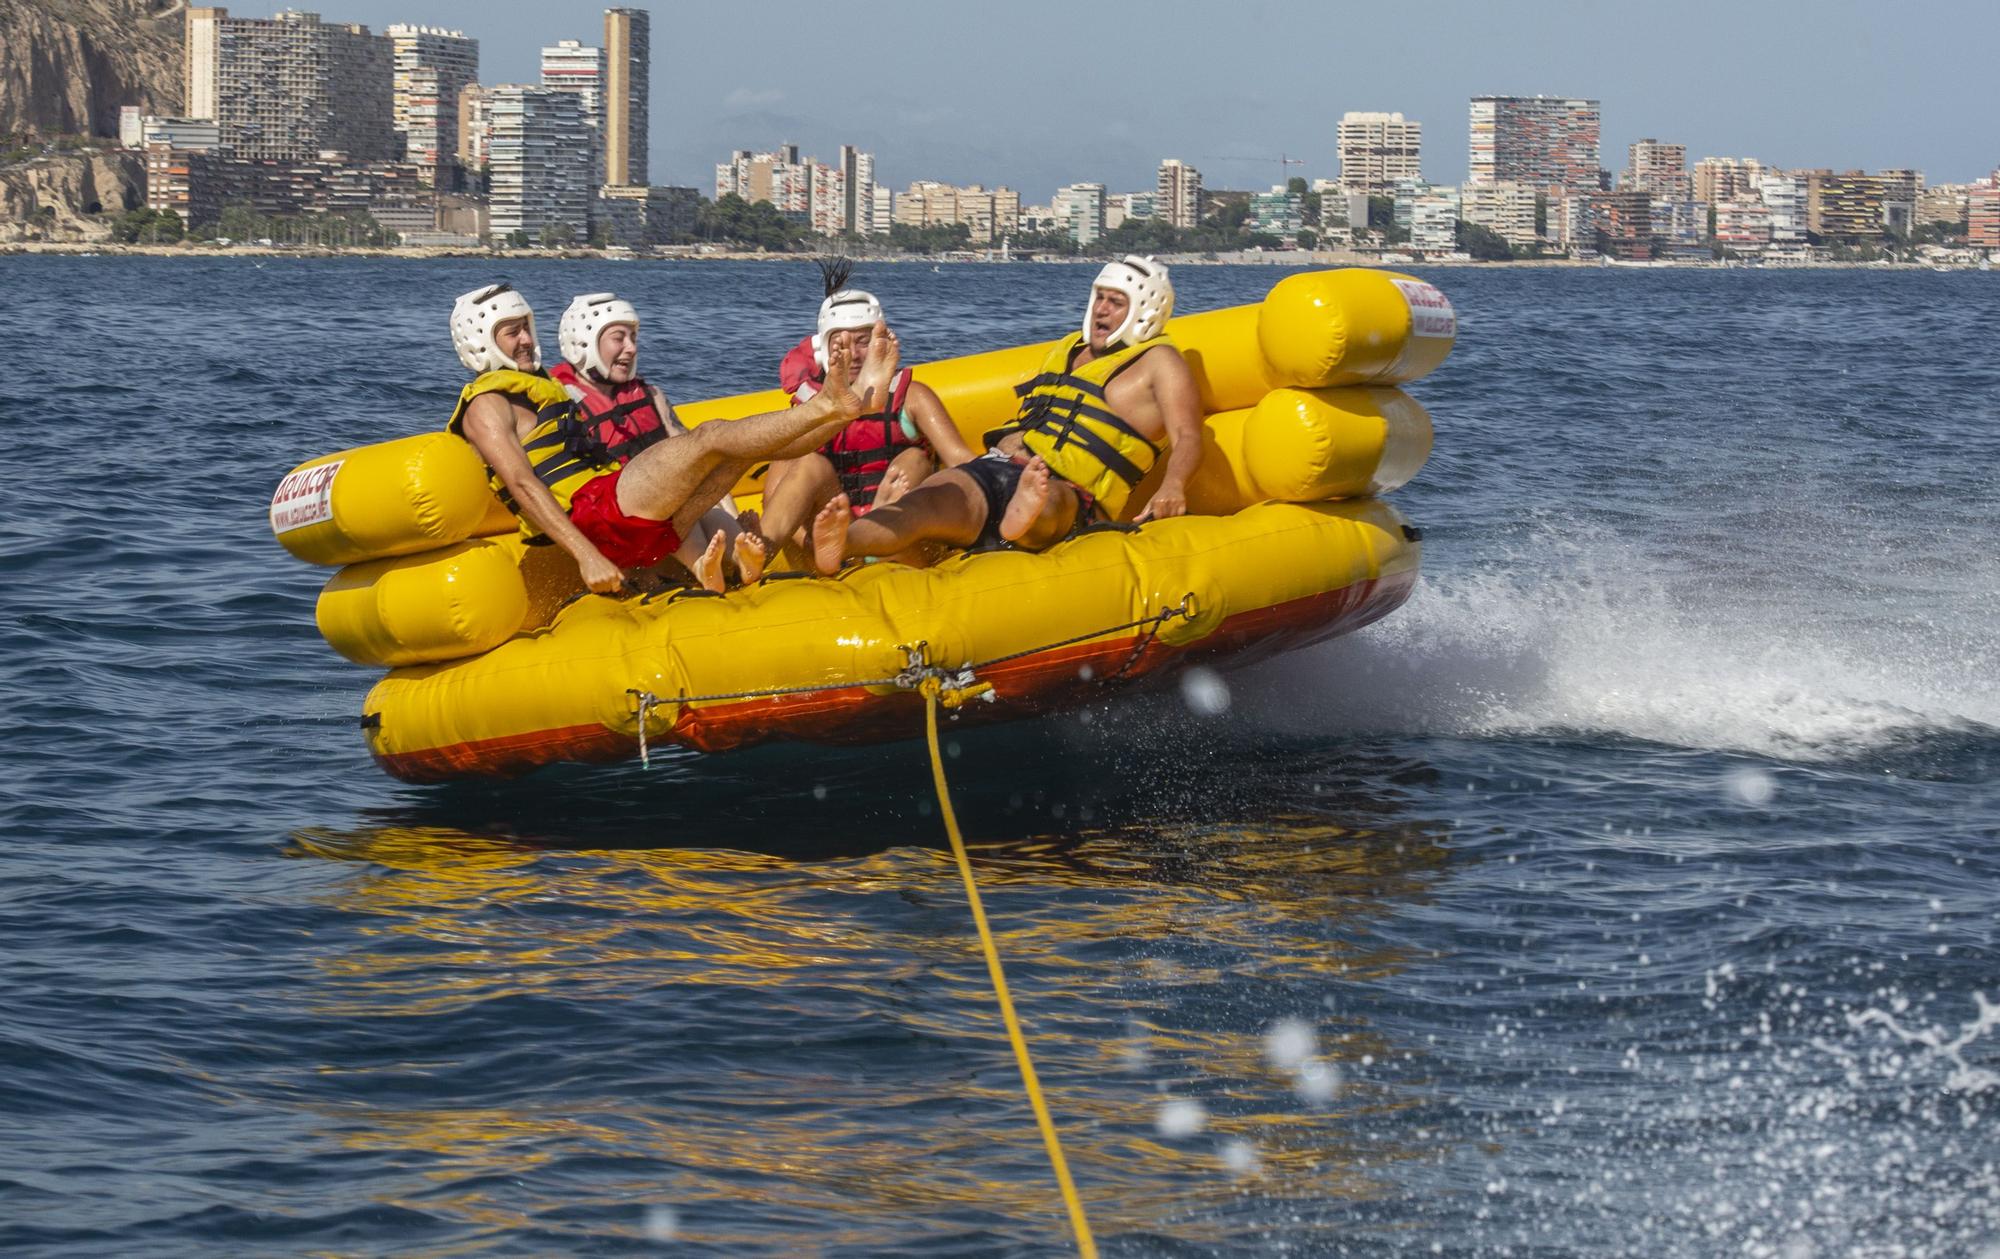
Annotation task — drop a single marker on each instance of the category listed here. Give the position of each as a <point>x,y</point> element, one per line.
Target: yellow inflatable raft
<point>499,663</point>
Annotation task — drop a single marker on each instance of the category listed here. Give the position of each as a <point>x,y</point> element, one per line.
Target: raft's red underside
<point>1046,682</point>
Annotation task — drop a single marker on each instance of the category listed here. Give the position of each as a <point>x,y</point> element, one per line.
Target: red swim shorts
<point>627,541</point>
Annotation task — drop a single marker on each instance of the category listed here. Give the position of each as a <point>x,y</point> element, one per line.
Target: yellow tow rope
<point>933,692</point>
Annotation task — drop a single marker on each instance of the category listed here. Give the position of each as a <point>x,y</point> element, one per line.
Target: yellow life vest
<point>1064,418</point>
<point>561,461</point>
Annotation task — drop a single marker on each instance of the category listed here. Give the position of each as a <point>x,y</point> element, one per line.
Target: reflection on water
<point>769,1043</point>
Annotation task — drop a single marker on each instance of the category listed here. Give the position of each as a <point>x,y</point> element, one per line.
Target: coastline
<point>1289,258</point>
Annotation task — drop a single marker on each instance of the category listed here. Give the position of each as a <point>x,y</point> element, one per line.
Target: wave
<point>1563,637</point>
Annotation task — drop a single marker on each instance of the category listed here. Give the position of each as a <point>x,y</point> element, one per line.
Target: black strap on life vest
<point>568,448</point>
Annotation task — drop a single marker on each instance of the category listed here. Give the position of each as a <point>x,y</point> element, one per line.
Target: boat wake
<point>1599,646</point>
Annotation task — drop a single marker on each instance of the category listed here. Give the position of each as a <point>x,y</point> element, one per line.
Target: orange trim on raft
<point>1046,682</point>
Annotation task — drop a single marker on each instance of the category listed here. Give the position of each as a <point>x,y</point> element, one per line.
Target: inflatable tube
<point>1296,445</point>
<point>393,498</point>
<point>1270,577</point>
<point>1314,330</point>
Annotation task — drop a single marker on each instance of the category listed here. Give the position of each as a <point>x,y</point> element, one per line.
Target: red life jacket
<point>861,452</point>
<point>618,422</point>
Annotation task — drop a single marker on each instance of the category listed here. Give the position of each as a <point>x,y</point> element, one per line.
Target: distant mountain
<point>67,65</point>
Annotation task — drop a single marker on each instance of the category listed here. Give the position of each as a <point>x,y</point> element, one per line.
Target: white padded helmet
<point>475,315</point>
<point>585,320</point>
<point>848,308</point>
<point>1145,285</point>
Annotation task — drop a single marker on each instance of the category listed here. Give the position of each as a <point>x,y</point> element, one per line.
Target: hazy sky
<point>1034,95</point>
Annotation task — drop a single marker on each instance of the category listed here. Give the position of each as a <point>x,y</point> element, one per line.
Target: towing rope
<point>952,688</point>
<point>934,693</point>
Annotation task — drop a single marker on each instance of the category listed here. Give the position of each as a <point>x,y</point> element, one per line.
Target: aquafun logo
<point>304,497</point>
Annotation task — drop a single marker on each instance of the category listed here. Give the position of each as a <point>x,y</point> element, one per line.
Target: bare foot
<point>708,569</point>
<point>837,398</point>
<point>1030,496</point>
<point>895,484</point>
<point>878,367</point>
<point>830,534</point>
<point>749,556</point>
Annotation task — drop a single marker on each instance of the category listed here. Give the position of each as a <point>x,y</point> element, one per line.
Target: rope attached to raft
<point>953,688</point>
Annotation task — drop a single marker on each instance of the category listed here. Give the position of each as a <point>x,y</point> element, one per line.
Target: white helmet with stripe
<point>1146,287</point>
<point>585,320</point>
<point>475,315</point>
<point>848,308</point>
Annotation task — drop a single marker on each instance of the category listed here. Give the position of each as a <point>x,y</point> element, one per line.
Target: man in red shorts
<point>550,470</point>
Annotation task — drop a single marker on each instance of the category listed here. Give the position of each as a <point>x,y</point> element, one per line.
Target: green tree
<point>1483,243</point>
<point>1308,239</point>
<point>558,235</point>
<point>518,239</point>
<point>600,236</point>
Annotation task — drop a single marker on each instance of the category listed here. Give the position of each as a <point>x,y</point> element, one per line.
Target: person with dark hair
<point>1109,402</point>
<point>877,457</point>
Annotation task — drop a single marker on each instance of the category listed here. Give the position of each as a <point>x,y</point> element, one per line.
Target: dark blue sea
<point>1630,892</point>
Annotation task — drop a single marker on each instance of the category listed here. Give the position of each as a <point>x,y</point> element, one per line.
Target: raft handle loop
<point>933,689</point>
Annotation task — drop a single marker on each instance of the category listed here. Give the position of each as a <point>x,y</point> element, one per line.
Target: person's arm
<point>489,426</point>
<point>934,422</point>
<point>668,416</point>
<point>1179,399</point>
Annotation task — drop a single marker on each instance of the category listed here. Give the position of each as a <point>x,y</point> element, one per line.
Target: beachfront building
<point>1378,151</point>
<point>1785,199</point>
<point>778,177</point>
<point>1658,168</point>
<point>1719,179</point>
<point>1743,228</point>
<point>1127,206</point>
<point>885,211</point>
<point>1679,226</point>
<point>432,66</point>
<point>1901,190</point>
<point>1943,203</point>
<point>1546,142</point>
<point>988,214</point>
<point>292,86</point>
<point>1982,209</point>
<point>1079,210</point>
<point>569,66</point>
<point>642,215</point>
<point>1505,208</point>
<point>1434,221</point>
<point>1846,207</point>
<point>539,162</point>
<point>628,94</point>
<point>857,191</point>
<point>1177,194</point>
<point>1279,212</point>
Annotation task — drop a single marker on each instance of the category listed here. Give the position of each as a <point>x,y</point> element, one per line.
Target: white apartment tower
<point>540,163</point>
<point>1177,194</point>
<point>291,86</point>
<point>432,66</point>
<point>571,67</point>
<point>1379,150</point>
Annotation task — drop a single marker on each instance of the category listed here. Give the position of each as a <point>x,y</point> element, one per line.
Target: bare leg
<point>807,485</point>
<point>949,508</point>
<point>906,471</point>
<point>1040,512</point>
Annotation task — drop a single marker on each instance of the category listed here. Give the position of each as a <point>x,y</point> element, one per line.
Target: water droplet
<point>1204,692</point>
<point>1180,1117</point>
<point>819,791</point>
<point>663,1224</point>
<point>1317,1083</point>
<point>1749,786</point>
<point>1288,1043</point>
<point>1240,1157</point>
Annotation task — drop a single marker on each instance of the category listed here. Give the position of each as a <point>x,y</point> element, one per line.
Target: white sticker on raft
<point>304,497</point>
<point>1431,314</point>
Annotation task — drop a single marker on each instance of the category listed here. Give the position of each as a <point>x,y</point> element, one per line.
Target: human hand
<point>1168,500</point>
<point>600,574</point>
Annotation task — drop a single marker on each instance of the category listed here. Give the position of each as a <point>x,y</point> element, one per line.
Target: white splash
<point>1180,1117</point>
<point>1204,692</point>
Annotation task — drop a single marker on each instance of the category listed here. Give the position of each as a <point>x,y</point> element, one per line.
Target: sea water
<point>1631,891</point>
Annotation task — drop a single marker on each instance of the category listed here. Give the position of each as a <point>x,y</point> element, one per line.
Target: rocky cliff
<point>67,65</point>
<point>73,196</point>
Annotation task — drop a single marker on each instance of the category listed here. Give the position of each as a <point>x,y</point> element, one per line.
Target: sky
<point>1032,95</point>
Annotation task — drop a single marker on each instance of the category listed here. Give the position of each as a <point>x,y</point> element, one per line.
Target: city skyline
<point>1788,84</point>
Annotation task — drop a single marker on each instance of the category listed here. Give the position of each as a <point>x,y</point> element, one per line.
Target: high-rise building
<point>1377,150</point>
<point>1743,228</point>
<point>988,214</point>
<point>627,94</point>
<point>778,177</point>
<point>1434,223</point>
<point>1719,179</point>
<point>1982,215</point>
<point>475,127</point>
<point>570,66</point>
<point>884,215</point>
<point>1279,212</point>
<point>432,66</point>
<point>1845,207</point>
<point>1177,194</point>
<point>829,199</point>
<point>540,164</point>
<point>292,86</point>
<point>857,172</point>
<point>1660,169</point>
<point>1542,141</point>
<point>1785,199</point>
